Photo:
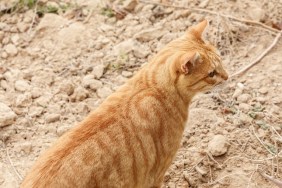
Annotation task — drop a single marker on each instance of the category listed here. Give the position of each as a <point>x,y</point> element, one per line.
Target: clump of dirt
<point>56,68</point>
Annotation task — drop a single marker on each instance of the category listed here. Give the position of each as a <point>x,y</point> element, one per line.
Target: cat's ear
<point>189,61</point>
<point>197,30</point>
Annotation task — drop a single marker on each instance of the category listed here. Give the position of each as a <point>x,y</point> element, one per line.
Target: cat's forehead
<point>213,58</point>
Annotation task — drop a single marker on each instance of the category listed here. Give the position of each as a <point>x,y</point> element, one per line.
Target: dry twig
<point>12,164</point>
<point>259,57</point>
<point>245,145</point>
<point>211,179</point>
<point>249,182</point>
<point>88,16</point>
<point>276,132</point>
<point>196,164</point>
<point>33,18</point>
<point>260,141</point>
<point>211,157</point>
<point>272,179</point>
<point>250,22</point>
<point>260,161</point>
<point>220,179</point>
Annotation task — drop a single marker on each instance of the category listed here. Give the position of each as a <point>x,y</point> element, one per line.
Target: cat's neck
<point>159,80</point>
<point>167,79</point>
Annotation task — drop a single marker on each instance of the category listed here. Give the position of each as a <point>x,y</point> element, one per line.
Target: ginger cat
<point>132,138</point>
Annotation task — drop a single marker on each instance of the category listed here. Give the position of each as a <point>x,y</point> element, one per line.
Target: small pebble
<point>244,107</point>
<point>4,55</point>
<point>244,98</point>
<point>79,94</point>
<point>259,115</point>
<point>22,85</point>
<point>67,88</point>
<point>50,118</point>
<point>104,92</point>
<point>262,100</point>
<point>11,49</point>
<point>261,133</point>
<point>6,40</point>
<point>62,129</point>
<point>36,92</point>
<point>98,71</point>
<point>171,185</point>
<point>218,145</point>
<point>22,27</point>
<point>42,101</point>
<point>7,115</point>
<point>26,147</point>
<point>23,100</point>
<point>240,85</point>
<point>126,74</point>
<point>263,90</point>
<point>237,93</point>
<point>201,170</point>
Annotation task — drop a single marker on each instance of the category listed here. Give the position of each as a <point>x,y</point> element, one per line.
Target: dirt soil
<point>56,68</point>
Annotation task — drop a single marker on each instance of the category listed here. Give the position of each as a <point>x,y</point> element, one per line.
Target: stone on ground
<point>218,145</point>
<point>7,116</point>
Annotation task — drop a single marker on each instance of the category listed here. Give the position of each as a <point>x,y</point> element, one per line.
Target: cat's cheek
<point>206,88</point>
<point>207,85</point>
<point>202,87</point>
<point>210,81</point>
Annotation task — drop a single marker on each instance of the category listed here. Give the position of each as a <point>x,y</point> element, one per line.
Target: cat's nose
<point>225,76</point>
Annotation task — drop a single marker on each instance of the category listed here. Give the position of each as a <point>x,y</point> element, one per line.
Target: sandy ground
<point>56,68</point>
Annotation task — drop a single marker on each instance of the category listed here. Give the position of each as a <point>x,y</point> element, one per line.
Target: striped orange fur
<point>132,138</point>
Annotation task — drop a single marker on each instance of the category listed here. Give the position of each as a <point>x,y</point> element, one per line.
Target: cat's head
<point>194,64</point>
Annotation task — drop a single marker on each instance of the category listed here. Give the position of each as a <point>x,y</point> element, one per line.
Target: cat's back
<point>94,153</point>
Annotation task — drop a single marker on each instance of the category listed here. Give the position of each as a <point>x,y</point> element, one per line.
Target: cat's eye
<point>212,74</point>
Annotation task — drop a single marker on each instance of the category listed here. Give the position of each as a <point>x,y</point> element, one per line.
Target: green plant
<point>41,10</point>
<point>252,114</point>
<point>29,3</point>
<point>107,12</point>
<point>262,124</point>
<point>272,148</point>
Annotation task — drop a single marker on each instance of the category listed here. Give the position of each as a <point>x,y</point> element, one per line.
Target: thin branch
<point>249,182</point>
<point>245,145</point>
<point>12,164</point>
<point>33,18</point>
<point>220,179</point>
<point>196,164</point>
<point>276,132</point>
<point>271,178</point>
<point>211,157</point>
<point>259,57</point>
<point>260,141</point>
<point>88,16</point>
<point>253,160</point>
<point>250,22</point>
<point>211,179</point>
